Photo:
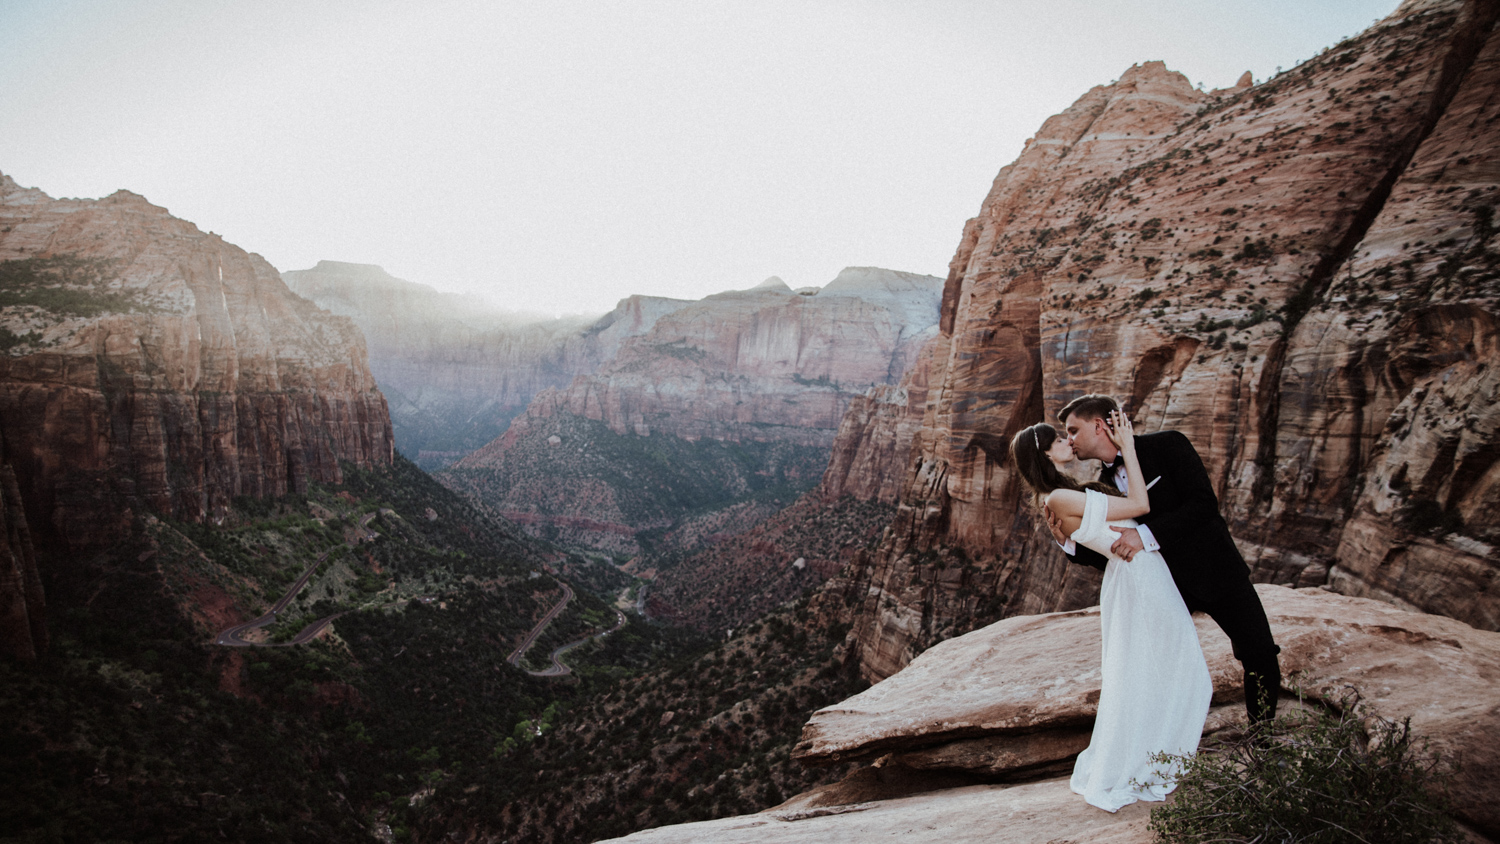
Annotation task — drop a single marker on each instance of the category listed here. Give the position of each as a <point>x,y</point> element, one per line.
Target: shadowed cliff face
<point>23,628</point>
<point>1300,275</point>
<point>149,365</point>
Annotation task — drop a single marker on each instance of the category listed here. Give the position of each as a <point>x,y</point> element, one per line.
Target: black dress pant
<point>1238,612</point>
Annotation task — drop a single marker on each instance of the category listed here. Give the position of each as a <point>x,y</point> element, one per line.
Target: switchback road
<point>232,637</point>
<point>526,643</point>
<point>557,668</point>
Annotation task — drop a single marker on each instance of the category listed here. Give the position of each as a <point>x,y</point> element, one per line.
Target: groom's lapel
<point>1150,467</point>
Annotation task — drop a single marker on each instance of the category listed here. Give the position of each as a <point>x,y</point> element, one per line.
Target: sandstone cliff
<point>767,364</point>
<point>1300,275</point>
<point>457,369</point>
<point>152,366</point>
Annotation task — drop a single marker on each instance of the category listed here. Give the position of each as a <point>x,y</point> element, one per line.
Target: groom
<point>1185,526</point>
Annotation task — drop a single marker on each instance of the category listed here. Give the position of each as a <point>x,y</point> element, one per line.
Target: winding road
<point>557,668</point>
<point>526,643</point>
<point>232,637</point>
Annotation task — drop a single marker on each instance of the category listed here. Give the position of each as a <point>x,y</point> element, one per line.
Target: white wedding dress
<point>1156,689</point>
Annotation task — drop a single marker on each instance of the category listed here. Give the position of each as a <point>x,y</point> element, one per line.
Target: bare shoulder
<point>1066,502</point>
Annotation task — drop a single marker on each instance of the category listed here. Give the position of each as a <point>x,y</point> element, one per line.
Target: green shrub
<point>1310,778</point>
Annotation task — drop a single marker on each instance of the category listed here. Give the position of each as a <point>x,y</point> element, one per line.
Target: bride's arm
<point>1137,503</point>
<point>1068,505</point>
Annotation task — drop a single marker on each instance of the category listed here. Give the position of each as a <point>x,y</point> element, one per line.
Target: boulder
<point>1044,812</point>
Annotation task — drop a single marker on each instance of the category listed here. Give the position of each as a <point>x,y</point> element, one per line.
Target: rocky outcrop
<point>1036,813</point>
<point>1016,700</point>
<point>1300,275</point>
<point>153,366</point>
<point>456,369</point>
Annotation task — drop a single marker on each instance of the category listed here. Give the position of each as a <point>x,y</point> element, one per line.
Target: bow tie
<point>1117,464</point>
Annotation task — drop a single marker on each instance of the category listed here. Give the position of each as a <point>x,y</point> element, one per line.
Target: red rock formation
<point>455,369</point>
<point>188,375</point>
<point>874,442</point>
<point>1299,275</point>
<point>768,364</point>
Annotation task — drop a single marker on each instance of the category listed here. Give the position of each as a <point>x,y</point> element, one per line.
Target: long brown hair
<point>1028,448</point>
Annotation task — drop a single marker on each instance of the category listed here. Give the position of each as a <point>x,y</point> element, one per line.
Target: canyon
<point>740,393</point>
<point>1298,273</point>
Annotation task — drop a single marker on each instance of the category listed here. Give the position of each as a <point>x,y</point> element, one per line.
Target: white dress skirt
<point>1155,691</point>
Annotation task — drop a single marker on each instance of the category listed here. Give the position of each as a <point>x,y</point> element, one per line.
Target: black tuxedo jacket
<point>1184,518</point>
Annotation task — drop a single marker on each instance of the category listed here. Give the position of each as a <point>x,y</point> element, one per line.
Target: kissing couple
<point>1152,524</point>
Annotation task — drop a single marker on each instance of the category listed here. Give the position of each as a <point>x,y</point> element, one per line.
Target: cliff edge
<point>974,739</point>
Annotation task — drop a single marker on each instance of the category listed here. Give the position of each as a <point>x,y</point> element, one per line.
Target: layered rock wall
<point>767,364</point>
<point>1300,275</point>
<point>873,446</point>
<point>457,369</point>
<point>150,365</point>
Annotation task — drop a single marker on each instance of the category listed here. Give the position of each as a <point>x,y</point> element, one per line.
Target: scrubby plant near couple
<point>1315,775</point>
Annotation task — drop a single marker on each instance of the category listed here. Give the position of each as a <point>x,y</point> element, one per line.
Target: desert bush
<point>1312,777</point>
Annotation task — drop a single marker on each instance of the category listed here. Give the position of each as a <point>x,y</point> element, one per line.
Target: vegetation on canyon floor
<point>134,728</point>
<point>599,489</point>
<point>725,584</point>
<point>697,737</point>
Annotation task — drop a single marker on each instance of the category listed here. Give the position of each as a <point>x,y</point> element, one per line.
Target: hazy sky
<point>560,155</point>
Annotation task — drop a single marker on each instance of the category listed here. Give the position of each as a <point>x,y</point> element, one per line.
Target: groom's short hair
<point>1091,406</point>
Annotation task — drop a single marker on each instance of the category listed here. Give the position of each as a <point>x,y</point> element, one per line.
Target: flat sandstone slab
<point>1044,812</point>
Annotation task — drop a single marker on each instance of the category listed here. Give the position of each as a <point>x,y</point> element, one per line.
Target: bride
<point>1155,690</point>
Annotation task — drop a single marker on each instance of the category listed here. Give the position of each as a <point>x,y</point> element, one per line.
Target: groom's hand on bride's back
<point>1128,544</point>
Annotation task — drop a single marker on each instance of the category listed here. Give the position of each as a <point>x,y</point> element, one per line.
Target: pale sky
<point>558,156</point>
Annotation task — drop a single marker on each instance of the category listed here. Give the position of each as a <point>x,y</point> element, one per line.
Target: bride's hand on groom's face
<point>1120,428</point>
